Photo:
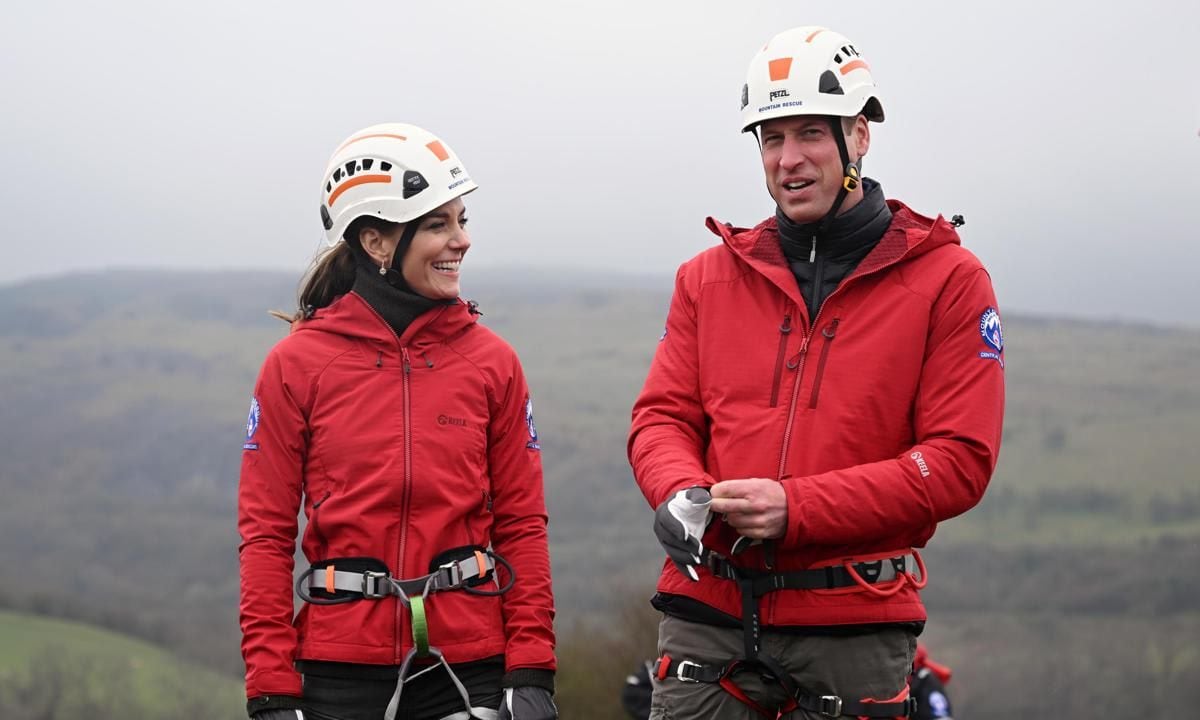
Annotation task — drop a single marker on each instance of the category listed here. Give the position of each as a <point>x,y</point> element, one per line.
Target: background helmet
<point>392,171</point>
<point>808,71</point>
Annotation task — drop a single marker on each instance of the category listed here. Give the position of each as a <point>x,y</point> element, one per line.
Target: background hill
<point>1071,589</point>
<point>64,669</point>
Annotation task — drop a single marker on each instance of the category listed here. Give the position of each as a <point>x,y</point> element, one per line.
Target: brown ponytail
<point>332,273</point>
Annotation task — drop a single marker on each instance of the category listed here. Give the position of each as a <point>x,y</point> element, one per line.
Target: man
<point>828,388</point>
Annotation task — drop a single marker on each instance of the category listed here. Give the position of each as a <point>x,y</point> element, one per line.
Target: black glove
<point>679,524</point>
<point>527,703</point>
<point>278,715</point>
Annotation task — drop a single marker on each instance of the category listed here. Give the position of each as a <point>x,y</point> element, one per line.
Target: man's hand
<point>679,524</point>
<point>755,507</point>
<point>527,703</point>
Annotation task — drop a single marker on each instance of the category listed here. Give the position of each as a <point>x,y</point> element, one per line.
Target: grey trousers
<point>857,667</point>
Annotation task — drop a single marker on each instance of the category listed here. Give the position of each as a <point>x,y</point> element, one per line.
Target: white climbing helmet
<point>808,71</point>
<point>392,171</point>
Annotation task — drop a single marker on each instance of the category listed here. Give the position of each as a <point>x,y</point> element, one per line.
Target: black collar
<point>857,229</point>
<point>388,294</point>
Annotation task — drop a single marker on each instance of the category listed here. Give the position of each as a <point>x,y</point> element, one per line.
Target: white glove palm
<point>679,524</point>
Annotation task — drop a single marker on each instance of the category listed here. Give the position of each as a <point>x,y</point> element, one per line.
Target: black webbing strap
<point>750,622</point>
<point>834,706</point>
<point>822,578</point>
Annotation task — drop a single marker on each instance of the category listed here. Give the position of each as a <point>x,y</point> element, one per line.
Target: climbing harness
<point>754,584</point>
<point>341,580</point>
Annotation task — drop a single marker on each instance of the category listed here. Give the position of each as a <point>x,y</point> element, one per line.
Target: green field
<point>53,669</point>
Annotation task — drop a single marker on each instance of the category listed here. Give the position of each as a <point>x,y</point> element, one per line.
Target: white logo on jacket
<point>920,460</point>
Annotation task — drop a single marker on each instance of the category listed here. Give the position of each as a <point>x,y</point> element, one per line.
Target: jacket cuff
<point>272,702</point>
<point>793,535</point>
<point>530,677</point>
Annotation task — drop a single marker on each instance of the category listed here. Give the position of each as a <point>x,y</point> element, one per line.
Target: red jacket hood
<point>909,235</point>
<point>352,316</point>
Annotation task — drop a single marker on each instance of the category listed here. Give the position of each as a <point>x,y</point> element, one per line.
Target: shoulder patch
<point>993,335</point>
<point>252,424</point>
<point>533,436</point>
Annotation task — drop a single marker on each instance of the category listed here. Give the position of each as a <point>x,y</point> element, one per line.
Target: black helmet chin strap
<point>406,238</point>
<point>850,177</point>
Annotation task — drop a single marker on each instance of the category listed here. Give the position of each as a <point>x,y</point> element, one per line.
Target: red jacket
<point>400,448</point>
<point>880,420</point>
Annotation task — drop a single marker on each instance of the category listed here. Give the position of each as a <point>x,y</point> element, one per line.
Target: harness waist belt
<point>819,578</point>
<point>374,585</point>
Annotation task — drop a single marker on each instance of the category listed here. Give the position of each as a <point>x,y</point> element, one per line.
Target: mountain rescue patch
<point>993,335</point>
<point>252,424</point>
<point>533,438</point>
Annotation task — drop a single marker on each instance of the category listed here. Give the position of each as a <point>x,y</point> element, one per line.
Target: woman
<point>405,431</point>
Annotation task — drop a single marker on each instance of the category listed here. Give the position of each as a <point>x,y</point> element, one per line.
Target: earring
<point>383,269</point>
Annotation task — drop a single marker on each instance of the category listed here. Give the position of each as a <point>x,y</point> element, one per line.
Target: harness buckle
<point>370,584</point>
<point>679,671</point>
<point>831,706</point>
<point>453,572</point>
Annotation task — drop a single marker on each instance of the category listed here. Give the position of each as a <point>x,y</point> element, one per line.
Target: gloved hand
<point>679,524</point>
<point>527,703</point>
<point>277,714</point>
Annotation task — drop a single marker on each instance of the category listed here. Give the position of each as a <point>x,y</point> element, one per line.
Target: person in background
<point>927,684</point>
<point>403,429</point>
<point>636,693</point>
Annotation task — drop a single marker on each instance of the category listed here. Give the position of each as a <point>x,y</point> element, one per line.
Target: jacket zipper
<point>829,333</point>
<point>407,487</point>
<point>787,436</point>
<point>784,330</point>
<point>799,367</point>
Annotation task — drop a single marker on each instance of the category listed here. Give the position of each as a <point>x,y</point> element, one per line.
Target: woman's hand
<point>277,714</point>
<point>527,703</point>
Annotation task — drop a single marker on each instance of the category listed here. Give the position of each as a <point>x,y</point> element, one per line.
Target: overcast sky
<point>195,135</point>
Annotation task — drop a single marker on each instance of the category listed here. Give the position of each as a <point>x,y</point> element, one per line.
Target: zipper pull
<point>812,255</point>
<point>379,360</point>
<point>407,366</point>
<point>794,361</point>
<point>831,329</point>
<point>786,327</point>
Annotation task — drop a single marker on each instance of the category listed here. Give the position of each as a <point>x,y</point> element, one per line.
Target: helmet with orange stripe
<point>812,70</point>
<point>393,171</point>
<point>808,71</point>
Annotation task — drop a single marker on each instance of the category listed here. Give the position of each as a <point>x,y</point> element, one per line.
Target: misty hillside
<point>122,406</point>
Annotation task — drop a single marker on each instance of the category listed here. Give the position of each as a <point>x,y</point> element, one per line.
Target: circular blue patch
<point>991,330</point>
<point>252,420</point>
<point>533,438</point>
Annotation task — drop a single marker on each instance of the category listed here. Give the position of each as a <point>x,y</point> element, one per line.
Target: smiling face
<point>803,167</point>
<point>431,263</point>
